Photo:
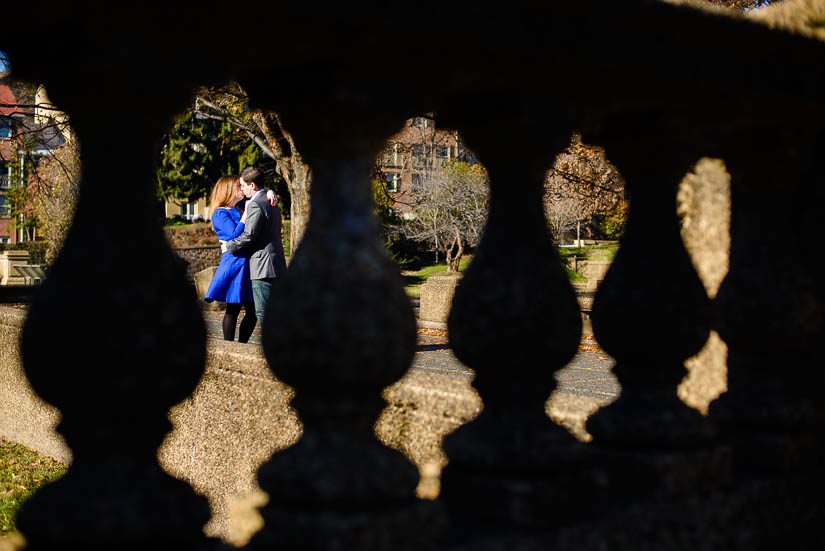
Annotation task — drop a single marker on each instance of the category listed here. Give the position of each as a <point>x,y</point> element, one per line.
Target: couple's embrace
<point>247,220</point>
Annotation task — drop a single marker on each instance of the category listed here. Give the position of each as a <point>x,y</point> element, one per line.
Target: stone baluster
<point>515,321</point>
<point>770,306</point>
<point>114,336</point>
<point>340,329</point>
<point>651,313</point>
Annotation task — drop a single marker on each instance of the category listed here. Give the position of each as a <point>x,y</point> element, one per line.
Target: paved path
<point>588,374</point>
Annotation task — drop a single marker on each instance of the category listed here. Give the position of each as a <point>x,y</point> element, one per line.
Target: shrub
<point>198,234</point>
<point>285,237</point>
<point>37,250</point>
<point>614,221</point>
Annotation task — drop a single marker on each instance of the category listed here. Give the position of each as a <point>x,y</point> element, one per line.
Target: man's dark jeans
<point>261,289</point>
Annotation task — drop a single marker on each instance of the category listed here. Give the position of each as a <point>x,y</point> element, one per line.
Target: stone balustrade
<point>9,274</point>
<point>658,85</point>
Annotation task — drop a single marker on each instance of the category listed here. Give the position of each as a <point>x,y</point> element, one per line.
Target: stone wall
<point>199,258</point>
<point>593,270</point>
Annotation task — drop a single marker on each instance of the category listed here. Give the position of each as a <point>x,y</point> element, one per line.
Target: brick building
<point>43,128</point>
<point>11,120</point>
<point>413,154</point>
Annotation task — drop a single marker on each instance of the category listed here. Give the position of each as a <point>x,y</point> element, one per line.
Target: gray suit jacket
<point>261,238</point>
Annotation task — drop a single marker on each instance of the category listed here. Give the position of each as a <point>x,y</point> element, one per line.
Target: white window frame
<point>188,210</point>
<point>392,181</point>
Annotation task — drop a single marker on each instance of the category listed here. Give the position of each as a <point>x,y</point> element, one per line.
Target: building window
<point>391,181</point>
<point>422,155</point>
<point>5,129</point>
<point>188,210</point>
<point>4,207</point>
<point>393,156</point>
<point>5,176</point>
<point>417,183</point>
<point>4,239</point>
<point>422,122</point>
<point>442,153</point>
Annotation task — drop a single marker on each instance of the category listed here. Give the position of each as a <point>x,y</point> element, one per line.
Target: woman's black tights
<point>230,319</point>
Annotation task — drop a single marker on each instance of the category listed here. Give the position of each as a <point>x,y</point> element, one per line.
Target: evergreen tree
<point>196,152</point>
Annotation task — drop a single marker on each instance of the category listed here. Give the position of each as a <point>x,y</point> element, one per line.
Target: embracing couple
<point>247,220</point>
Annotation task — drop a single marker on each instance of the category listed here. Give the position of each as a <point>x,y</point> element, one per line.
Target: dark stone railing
<point>657,475</point>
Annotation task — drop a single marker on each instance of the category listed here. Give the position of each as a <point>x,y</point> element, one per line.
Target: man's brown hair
<point>252,175</point>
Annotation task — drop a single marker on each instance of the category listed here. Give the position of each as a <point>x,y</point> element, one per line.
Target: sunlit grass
<point>22,472</point>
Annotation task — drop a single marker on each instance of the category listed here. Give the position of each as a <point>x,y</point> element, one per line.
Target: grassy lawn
<point>603,252</point>
<point>575,277</point>
<point>592,252</point>
<point>22,471</point>
<point>414,279</point>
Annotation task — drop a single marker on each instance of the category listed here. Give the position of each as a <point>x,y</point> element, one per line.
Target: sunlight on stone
<point>572,412</point>
<point>703,204</point>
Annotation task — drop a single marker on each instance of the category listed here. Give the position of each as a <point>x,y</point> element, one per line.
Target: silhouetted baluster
<point>515,321</point>
<point>114,338</point>
<point>340,329</point>
<point>770,307</point>
<point>651,313</point>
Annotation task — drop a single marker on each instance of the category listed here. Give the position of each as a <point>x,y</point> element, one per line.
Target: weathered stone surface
<point>8,274</point>
<point>593,270</point>
<point>703,203</point>
<point>240,414</point>
<point>24,417</point>
<point>346,331</point>
<point>437,297</point>
<point>236,419</point>
<point>202,280</point>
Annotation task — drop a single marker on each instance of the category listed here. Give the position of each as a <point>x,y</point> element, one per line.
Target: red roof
<point>6,97</point>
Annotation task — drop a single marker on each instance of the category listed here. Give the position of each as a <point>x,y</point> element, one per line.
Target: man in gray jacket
<point>261,238</point>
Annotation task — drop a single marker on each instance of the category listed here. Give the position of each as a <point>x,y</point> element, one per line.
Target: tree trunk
<point>458,254</point>
<point>449,255</point>
<point>299,183</point>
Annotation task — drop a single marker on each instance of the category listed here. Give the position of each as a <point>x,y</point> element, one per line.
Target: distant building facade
<point>412,155</point>
<point>26,134</point>
<point>187,210</point>
<point>11,122</point>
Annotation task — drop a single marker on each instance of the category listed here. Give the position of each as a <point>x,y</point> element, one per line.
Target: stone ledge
<point>236,418</point>
<point>240,414</point>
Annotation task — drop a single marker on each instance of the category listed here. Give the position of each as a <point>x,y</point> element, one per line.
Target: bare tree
<point>54,186</point>
<point>47,165</point>
<point>563,214</point>
<point>228,103</point>
<point>581,184</point>
<point>450,210</point>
